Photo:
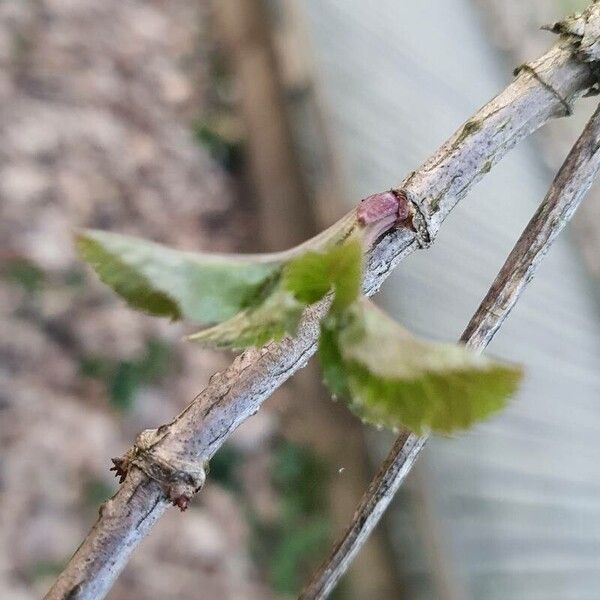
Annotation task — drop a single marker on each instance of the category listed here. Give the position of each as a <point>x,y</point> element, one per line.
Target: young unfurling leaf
<point>304,280</point>
<point>126,280</point>
<point>277,316</point>
<point>395,379</point>
<point>389,376</point>
<point>312,275</point>
<point>205,288</point>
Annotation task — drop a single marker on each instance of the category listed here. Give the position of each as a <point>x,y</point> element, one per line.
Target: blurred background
<point>249,125</point>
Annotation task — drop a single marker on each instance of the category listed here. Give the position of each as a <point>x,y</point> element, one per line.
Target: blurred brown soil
<point>96,105</point>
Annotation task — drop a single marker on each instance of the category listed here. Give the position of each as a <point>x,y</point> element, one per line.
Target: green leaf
<point>395,379</point>
<point>312,275</point>
<point>250,299</point>
<point>331,361</point>
<point>277,316</point>
<point>206,288</point>
<point>305,279</point>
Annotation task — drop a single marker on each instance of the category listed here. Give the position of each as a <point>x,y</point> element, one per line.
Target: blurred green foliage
<point>224,146</point>
<point>223,466</point>
<point>23,272</point>
<point>74,278</point>
<point>123,377</point>
<point>219,130</point>
<point>291,547</point>
<point>96,491</point>
<point>43,569</point>
<point>299,475</point>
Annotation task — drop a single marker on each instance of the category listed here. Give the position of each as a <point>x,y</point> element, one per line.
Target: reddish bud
<point>379,213</point>
<point>383,206</point>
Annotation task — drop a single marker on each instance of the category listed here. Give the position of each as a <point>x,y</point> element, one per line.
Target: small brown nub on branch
<point>119,468</point>
<point>182,502</point>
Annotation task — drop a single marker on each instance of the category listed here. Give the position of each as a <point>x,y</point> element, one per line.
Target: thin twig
<point>565,195</point>
<point>169,462</point>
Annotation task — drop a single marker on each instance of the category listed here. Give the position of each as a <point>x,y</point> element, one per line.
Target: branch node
<point>529,69</point>
<point>583,29</point>
<point>179,479</point>
<point>417,219</point>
